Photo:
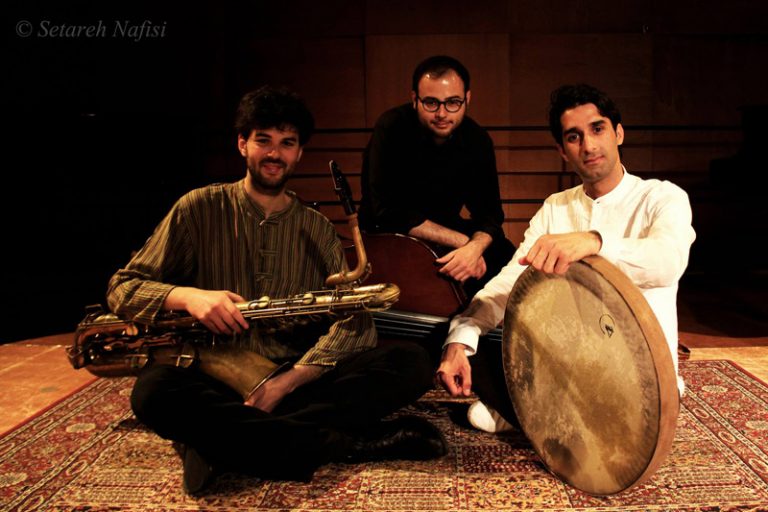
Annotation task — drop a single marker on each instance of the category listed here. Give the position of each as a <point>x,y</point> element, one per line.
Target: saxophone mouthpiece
<point>363,268</point>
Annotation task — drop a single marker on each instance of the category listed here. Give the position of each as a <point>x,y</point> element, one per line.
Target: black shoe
<point>198,473</point>
<point>407,437</point>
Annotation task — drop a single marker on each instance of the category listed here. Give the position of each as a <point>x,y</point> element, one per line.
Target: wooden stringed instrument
<point>428,299</point>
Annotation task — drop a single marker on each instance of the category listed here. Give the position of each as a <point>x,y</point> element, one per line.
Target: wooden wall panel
<point>637,149</point>
<point>436,16</point>
<point>637,158</point>
<point>527,159</point>
<point>620,64</point>
<point>709,17</point>
<point>692,151</point>
<point>578,16</point>
<point>320,188</point>
<point>502,143</point>
<point>390,61</point>
<point>327,71</point>
<point>520,211</point>
<point>316,161</point>
<point>525,151</point>
<point>528,185</point>
<point>345,148</point>
<point>514,231</point>
<point>705,79</point>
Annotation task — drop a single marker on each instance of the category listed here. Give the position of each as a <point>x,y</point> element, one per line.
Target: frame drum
<point>590,376</point>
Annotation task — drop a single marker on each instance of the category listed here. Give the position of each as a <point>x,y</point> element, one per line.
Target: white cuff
<point>463,330</point>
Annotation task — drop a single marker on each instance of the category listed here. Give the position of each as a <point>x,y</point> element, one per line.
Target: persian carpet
<point>87,452</point>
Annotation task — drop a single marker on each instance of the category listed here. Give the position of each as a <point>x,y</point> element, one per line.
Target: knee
<point>148,397</point>
<point>412,362</point>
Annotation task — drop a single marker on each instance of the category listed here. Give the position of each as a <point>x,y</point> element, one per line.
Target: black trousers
<point>488,380</point>
<point>311,426</point>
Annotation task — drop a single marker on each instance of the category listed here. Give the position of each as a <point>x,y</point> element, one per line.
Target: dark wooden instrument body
<point>410,263</point>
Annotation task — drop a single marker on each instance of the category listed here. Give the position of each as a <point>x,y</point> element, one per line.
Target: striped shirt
<point>218,238</point>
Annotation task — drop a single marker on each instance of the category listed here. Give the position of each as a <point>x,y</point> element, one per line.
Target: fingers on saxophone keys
<point>222,325</point>
<point>241,323</point>
<point>211,326</point>
<point>230,326</point>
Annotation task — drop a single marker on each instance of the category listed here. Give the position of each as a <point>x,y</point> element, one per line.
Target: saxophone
<point>109,346</point>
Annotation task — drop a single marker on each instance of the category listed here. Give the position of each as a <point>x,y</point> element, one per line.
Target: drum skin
<point>590,376</point>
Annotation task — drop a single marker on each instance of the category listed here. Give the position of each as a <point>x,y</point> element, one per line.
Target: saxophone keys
<point>260,303</point>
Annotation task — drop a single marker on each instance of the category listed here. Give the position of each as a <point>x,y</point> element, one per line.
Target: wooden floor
<point>716,322</point>
<point>726,318</point>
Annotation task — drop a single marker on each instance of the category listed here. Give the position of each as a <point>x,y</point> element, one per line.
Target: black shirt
<point>407,178</point>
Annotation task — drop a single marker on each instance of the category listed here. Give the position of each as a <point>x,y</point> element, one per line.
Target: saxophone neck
<point>363,268</point>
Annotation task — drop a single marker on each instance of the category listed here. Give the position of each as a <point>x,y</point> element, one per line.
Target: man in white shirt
<point>641,226</point>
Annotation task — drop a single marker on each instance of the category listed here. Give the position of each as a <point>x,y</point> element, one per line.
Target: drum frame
<point>666,377</point>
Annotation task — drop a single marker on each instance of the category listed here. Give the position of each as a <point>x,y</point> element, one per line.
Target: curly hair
<point>269,107</point>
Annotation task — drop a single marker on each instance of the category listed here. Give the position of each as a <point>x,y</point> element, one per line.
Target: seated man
<point>427,160</point>
<point>641,226</point>
<point>224,243</point>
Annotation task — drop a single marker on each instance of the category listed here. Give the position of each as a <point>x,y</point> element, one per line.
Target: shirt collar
<point>617,194</point>
<point>254,209</point>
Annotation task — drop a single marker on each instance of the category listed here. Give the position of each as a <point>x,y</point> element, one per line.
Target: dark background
<point>103,134</point>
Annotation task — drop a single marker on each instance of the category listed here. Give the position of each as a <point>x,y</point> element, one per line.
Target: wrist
<point>176,298</point>
<point>481,239</point>
<point>451,349</point>
<point>301,374</point>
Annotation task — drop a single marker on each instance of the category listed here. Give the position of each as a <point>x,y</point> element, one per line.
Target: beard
<point>265,182</point>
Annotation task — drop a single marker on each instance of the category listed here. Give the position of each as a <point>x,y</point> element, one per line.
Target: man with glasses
<point>425,162</point>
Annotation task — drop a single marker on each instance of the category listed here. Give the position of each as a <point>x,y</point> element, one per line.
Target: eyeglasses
<point>452,105</point>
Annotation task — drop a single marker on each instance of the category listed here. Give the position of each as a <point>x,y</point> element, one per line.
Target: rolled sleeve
<point>138,291</point>
<point>463,330</point>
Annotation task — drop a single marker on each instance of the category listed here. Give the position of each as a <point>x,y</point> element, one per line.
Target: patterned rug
<point>88,453</point>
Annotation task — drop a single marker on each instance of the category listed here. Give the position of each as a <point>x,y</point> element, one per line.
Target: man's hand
<point>214,308</point>
<point>272,392</point>
<point>455,372</point>
<point>464,262</point>
<point>553,254</point>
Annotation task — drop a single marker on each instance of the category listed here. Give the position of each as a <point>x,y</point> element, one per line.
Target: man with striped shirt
<point>227,243</point>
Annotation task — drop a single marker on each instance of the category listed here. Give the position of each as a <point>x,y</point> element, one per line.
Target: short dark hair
<point>438,65</point>
<point>269,107</point>
<point>569,96</point>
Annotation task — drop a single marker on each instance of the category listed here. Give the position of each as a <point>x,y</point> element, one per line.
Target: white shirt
<point>645,226</point>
